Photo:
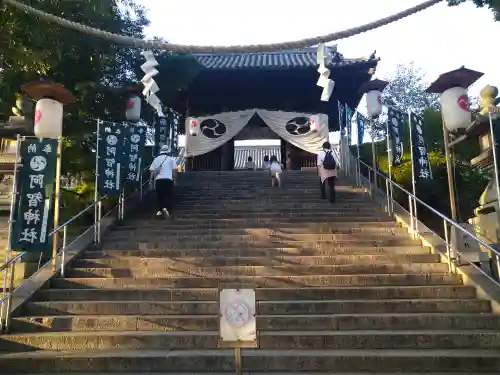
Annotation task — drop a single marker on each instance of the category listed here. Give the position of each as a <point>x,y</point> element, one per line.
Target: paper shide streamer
<point>324,81</point>
<point>150,86</point>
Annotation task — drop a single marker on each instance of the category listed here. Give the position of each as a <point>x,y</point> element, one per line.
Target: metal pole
<point>347,140</point>
<point>388,185</point>
<point>96,190</point>
<point>374,156</point>
<point>57,196</point>
<point>237,361</point>
<point>63,253</point>
<point>13,199</point>
<point>123,204</point>
<point>9,298</point>
<point>495,168</point>
<point>358,167</point>
<point>141,192</point>
<point>449,170</point>
<point>413,201</point>
<point>342,161</point>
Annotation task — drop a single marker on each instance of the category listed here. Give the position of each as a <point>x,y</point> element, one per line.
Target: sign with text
<point>396,121</point>
<point>110,163</point>
<point>421,164</point>
<point>135,140</point>
<point>237,316</point>
<point>33,219</point>
<point>161,133</point>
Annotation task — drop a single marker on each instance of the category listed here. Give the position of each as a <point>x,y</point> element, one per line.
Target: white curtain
<point>295,127</point>
<point>311,141</point>
<point>211,134</point>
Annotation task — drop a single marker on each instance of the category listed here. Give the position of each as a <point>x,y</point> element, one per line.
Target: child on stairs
<point>275,168</point>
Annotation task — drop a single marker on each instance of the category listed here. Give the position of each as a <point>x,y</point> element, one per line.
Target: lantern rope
<point>179,48</point>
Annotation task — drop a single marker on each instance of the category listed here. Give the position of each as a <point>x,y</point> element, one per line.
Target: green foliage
<point>93,70</point>
<point>469,182</point>
<point>494,5</point>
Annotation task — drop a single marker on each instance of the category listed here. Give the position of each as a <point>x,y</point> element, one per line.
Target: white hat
<point>164,149</point>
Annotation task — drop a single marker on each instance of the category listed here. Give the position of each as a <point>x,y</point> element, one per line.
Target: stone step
<point>169,323</point>
<point>283,294</point>
<point>231,205</point>
<point>263,230</point>
<point>257,281</point>
<point>248,251</point>
<point>160,270</point>
<point>324,340</point>
<point>237,225</point>
<point>308,361</point>
<point>262,191</point>
<point>218,261</point>
<point>184,219</point>
<point>192,243</point>
<point>256,215</point>
<point>255,237</point>
<point>348,211</point>
<point>42,308</point>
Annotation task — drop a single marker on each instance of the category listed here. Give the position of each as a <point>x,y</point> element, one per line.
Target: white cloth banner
<point>295,128</point>
<point>304,130</point>
<point>214,130</point>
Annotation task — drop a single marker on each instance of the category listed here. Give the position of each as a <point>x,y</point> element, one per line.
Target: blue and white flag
<point>361,124</point>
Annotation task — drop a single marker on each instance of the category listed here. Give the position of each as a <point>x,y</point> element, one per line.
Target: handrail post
<point>9,298</point>
<point>97,217</point>
<point>412,222</point>
<point>449,251</point>
<point>63,253</point>
<point>13,199</point>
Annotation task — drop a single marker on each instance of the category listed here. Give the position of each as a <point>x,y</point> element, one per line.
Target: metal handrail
<point>436,212</point>
<point>58,229</point>
<point>61,253</point>
<point>446,221</point>
<point>12,260</point>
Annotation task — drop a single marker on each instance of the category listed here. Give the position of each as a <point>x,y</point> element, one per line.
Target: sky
<point>437,40</point>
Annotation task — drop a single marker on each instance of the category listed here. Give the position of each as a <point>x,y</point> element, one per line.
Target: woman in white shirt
<point>275,168</point>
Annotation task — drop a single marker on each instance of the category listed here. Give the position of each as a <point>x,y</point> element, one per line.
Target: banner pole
<point>96,189</point>
<point>374,157</point>
<point>413,179</point>
<point>57,196</point>
<point>389,169</point>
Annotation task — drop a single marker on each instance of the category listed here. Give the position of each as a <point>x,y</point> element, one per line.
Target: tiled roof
<point>272,60</point>
<point>241,154</point>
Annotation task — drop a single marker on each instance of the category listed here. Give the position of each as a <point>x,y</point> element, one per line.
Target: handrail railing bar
<point>78,215</point>
<point>439,214</point>
<point>68,222</point>
<point>12,260</point>
<point>7,298</point>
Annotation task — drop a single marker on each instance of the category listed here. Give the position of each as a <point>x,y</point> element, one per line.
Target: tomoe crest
<point>212,128</point>
<point>298,126</point>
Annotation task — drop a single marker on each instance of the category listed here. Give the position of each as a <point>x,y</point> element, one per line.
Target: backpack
<point>329,162</point>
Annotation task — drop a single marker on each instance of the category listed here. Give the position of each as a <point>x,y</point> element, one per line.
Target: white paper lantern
<point>455,108</point>
<point>48,118</point>
<point>374,103</point>
<point>193,126</point>
<point>133,111</point>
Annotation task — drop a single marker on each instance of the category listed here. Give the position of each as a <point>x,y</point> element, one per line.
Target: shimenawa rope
<point>179,48</point>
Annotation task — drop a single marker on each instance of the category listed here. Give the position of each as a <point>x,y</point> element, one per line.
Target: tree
<point>94,70</point>
<point>494,5</point>
<point>406,90</point>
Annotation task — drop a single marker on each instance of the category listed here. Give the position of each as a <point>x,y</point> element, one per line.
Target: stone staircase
<point>340,290</point>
